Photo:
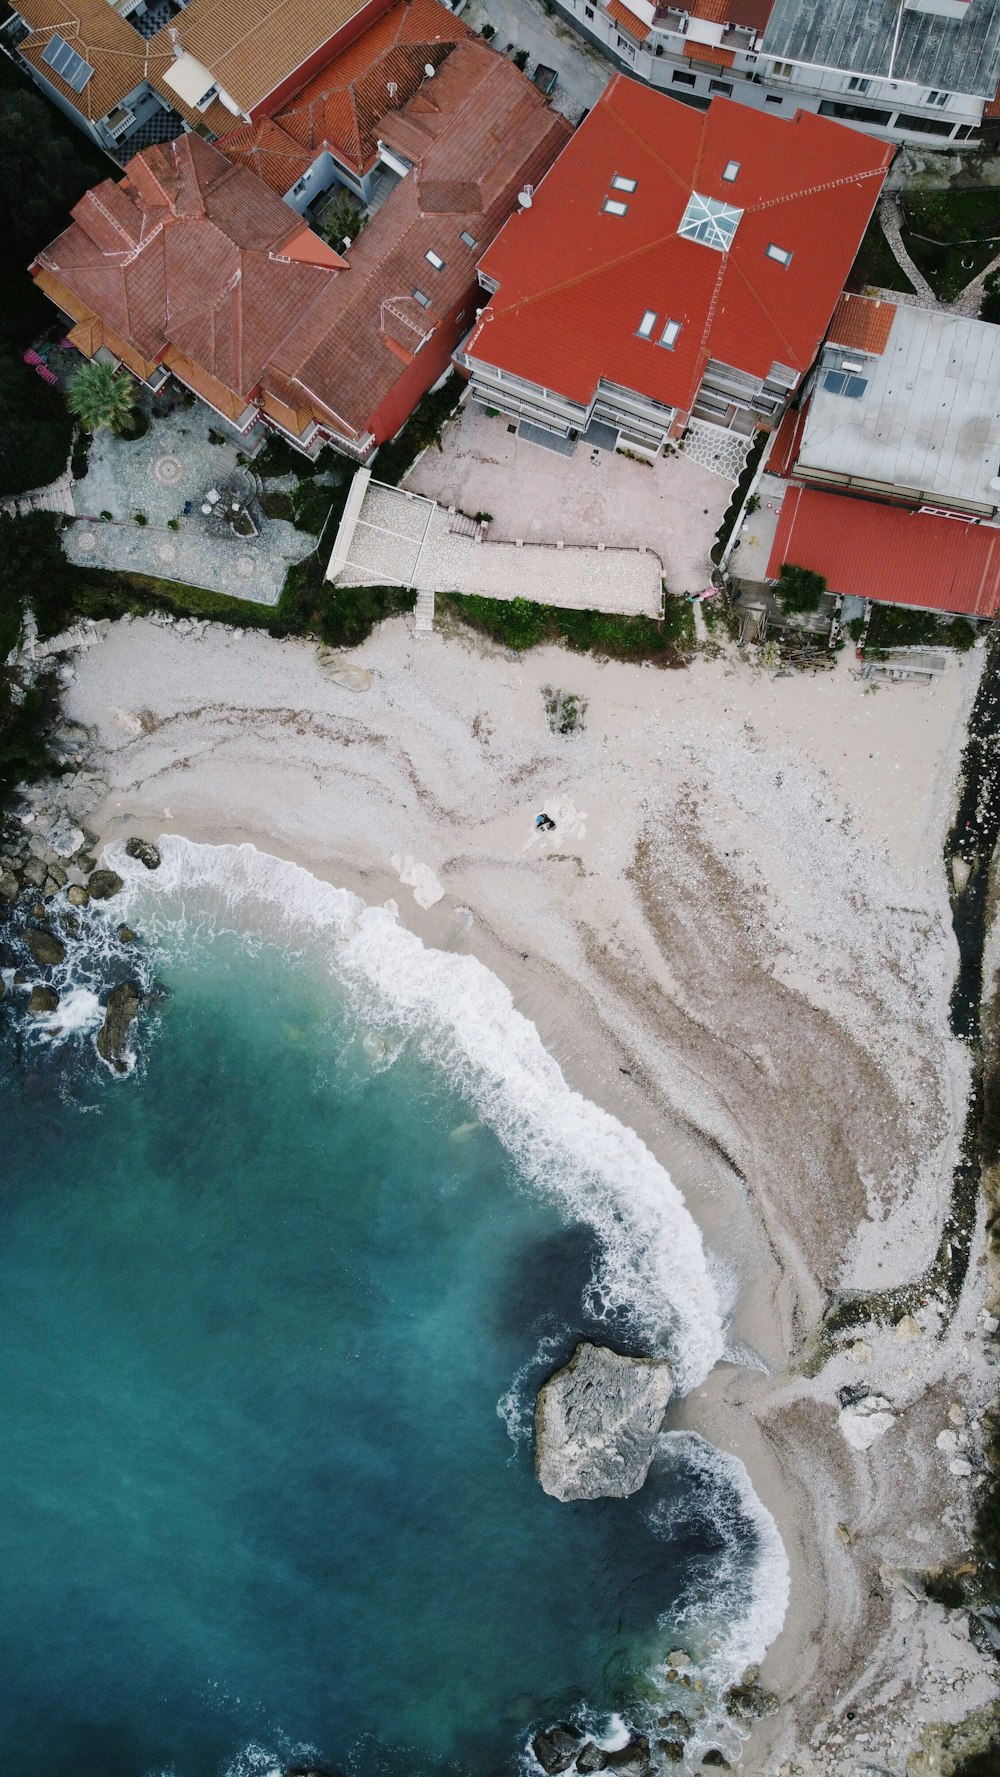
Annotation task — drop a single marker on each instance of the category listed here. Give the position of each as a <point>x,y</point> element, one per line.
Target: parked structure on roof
<point>674,264</point>
<point>141,71</point>
<point>920,71</point>
<point>191,265</point>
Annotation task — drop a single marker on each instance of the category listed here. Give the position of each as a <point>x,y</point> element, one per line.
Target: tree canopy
<point>101,399</point>
<point>799,590</point>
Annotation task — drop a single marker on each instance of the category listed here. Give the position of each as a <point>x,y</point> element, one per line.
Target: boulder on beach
<point>45,947</point>
<point>102,884</point>
<point>10,887</point>
<point>145,851</point>
<point>123,1004</point>
<point>42,999</point>
<point>556,1748</point>
<point>632,1760</point>
<point>77,895</point>
<point>596,1423</point>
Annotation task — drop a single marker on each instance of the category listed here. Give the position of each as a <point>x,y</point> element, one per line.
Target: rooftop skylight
<point>614,208</point>
<point>620,183</point>
<point>709,221</point>
<point>730,170</point>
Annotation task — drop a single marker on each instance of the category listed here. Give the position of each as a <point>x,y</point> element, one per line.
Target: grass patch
<point>423,428</point>
<point>735,506</point>
<point>896,626</point>
<point>951,235</point>
<point>519,624</point>
<point>876,263</point>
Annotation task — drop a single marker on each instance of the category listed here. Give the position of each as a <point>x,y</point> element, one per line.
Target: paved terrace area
<point>390,537</point>
<point>171,467</point>
<point>673,506</point>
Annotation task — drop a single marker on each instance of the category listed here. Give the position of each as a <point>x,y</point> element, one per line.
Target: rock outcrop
<point>103,884</point>
<point>123,1004</point>
<point>45,947</point>
<point>596,1423</point>
<point>557,1747</point>
<point>42,999</point>
<point>146,852</point>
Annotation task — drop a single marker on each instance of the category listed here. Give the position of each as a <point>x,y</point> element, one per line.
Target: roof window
<point>781,254</point>
<point>669,335</point>
<point>646,325</point>
<point>710,221</point>
<point>730,170</point>
<point>64,61</point>
<point>468,239</point>
<point>434,259</point>
<point>614,208</point>
<point>424,301</point>
<point>620,183</point>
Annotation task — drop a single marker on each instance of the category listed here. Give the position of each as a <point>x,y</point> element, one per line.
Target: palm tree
<point>99,398</point>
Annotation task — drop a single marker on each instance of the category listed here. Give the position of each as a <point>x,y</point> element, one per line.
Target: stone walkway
<point>970,300</point>
<point>57,497</point>
<point>716,449</point>
<point>174,466</point>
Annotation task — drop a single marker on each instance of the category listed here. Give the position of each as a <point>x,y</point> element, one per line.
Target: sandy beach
<point>737,938</point>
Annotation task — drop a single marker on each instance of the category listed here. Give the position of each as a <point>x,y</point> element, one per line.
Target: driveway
<point>583,72</point>
<point>673,507</point>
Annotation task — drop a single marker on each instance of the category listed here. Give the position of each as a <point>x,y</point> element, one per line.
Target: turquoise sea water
<point>275,1308</point>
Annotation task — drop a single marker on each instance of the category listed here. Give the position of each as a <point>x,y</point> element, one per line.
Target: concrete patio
<point>173,466</point>
<point>593,497</point>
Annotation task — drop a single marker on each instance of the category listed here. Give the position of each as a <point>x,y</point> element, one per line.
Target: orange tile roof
<point>875,551</point>
<point>120,57</point>
<point>993,108</point>
<point>717,11</point>
<point>342,107</point>
<point>733,12</point>
<point>575,281</point>
<point>863,323</point>
<point>250,48</point>
<point>709,52</point>
<point>628,21</point>
<point>785,443</point>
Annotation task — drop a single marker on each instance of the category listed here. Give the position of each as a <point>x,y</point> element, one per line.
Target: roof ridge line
<point>765,311</point>
<point>593,271</point>
<point>770,203</point>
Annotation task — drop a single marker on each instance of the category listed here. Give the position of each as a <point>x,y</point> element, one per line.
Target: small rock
<point>42,999</point>
<point>145,851</point>
<point>959,1466</point>
<point>907,1328</point>
<point>123,1004</point>
<point>34,872</point>
<point>676,1723</point>
<point>845,1535</point>
<point>103,884</point>
<point>861,1352</point>
<point>957,1413</point>
<point>77,896</point>
<point>679,1658</point>
<point>947,1442</point>
<point>750,1702</point>
<point>632,1760</point>
<point>717,1758</point>
<point>126,934</point>
<point>58,874</point>
<point>672,1750</point>
<point>10,887</point>
<point>45,947</point>
<point>863,1424</point>
<point>591,1758</point>
<point>556,1749</point>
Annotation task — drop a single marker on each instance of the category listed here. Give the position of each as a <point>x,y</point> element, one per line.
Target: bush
<point>799,590</point>
<point>278,505</point>
<point>343,220</point>
<point>348,614</point>
<point>735,506</point>
<point>520,59</point>
<point>488,32</point>
<point>899,626</point>
<point>173,524</point>
<point>518,624</point>
<point>140,518</point>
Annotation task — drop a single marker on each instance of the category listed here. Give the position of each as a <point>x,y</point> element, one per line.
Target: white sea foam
<point>653,1267</point>
<point>78,1012</point>
<point>516,1406</point>
<point>748,1599</point>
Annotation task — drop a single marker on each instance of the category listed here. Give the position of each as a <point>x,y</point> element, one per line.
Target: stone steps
<point>423,614</point>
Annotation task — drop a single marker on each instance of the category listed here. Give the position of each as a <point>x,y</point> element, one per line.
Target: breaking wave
<point>653,1272</point>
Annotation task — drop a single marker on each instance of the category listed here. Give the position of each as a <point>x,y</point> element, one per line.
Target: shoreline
<point>653,1057</point>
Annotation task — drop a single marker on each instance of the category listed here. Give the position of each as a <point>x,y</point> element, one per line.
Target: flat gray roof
<point>929,417</point>
<point>953,55</point>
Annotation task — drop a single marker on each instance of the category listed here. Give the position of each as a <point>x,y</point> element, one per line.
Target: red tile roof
<point>785,443</point>
<point>628,21</point>
<point>862,323</point>
<point>993,108</point>
<point>575,281</point>
<point>342,107</point>
<point>269,152</point>
<point>709,52</point>
<point>884,552</point>
<point>194,262</point>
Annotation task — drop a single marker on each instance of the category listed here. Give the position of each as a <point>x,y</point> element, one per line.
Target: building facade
<point>920,71</point>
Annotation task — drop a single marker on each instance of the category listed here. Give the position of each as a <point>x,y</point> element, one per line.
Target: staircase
<point>423,614</point>
<point>461,525</point>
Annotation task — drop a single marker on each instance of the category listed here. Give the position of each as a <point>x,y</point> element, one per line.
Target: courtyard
<point>154,506</point>
<point>536,495</point>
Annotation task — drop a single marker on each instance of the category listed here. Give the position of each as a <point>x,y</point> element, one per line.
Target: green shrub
<point>735,506</point>
<point>173,524</point>
<point>348,614</point>
<point>140,518</point>
<point>799,590</point>
<point>520,59</point>
<point>107,516</point>
<point>519,624</point>
<point>899,626</point>
<point>276,504</point>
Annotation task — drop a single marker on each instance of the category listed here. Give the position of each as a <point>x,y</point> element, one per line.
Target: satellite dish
<point>392,88</point>
<point>524,198</point>
<point>429,70</point>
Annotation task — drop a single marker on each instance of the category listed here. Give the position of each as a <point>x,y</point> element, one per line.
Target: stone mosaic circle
<point>169,469</point>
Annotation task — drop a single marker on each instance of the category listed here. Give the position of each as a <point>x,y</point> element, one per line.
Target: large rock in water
<point>45,947</point>
<point>102,884</point>
<point>145,851</point>
<point>123,1004</point>
<point>596,1423</point>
